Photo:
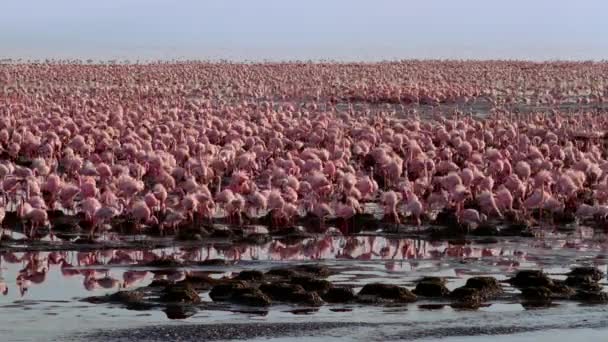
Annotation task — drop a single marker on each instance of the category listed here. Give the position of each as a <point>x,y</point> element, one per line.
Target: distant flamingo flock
<point>171,144</point>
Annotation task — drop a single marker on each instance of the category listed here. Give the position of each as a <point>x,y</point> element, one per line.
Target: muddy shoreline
<point>315,330</point>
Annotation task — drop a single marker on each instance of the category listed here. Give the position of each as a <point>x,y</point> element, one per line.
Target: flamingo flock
<point>168,145</point>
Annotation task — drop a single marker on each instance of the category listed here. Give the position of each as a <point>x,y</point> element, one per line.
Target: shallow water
<point>44,288</point>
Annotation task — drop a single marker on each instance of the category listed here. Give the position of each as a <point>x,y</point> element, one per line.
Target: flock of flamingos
<point>166,145</point>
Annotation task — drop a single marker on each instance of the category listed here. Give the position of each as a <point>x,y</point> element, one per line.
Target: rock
<point>165,263</point>
<point>561,291</point>
<point>160,283</point>
<point>466,297</point>
<point>562,219</point>
<point>591,296</point>
<point>431,306</point>
<point>592,272</point>
<point>366,222</point>
<point>307,298</point>
<point>120,297</point>
<point>428,279</point>
<point>192,234</point>
<point>127,296</point>
<point>581,281</point>
<point>223,292</point>
<point>256,239</point>
<point>486,230</point>
<point>198,281</point>
<point>180,294</point>
<point>488,286</point>
<point>446,217</point>
<point>282,292</point>
<point>213,262</point>
<point>537,293</point>
<point>250,297</point>
<point>465,294</point>
<point>388,291</point>
<point>312,284</point>
<point>252,275</point>
<point>293,232</point>
<point>338,295</point>
<point>530,278</point>
<point>284,273</point>
<point>222,233</point>
<point>431,289</point>
<point>179,311</point>
<point>7,238</point>
<point>319,271</point>
<point>65,224</point>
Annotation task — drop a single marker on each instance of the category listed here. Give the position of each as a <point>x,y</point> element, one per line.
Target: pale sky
<point>310,29</point>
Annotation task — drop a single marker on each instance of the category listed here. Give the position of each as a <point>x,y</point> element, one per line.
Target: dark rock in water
<point>530,278</point>
<point>127,296</point>
<point>256,239</point>
<point>364,222</point>
<point>198,281</point>
<point>527,234</point>
<point>6,238</point>
<point>593,272</point>
<point>183,293</point>
<point>564,218</point>
<point>293,232</point>
<point>305,311</point>
<point>388,291</point>
<point>312,284</point>
<point>160,283</point>
<point>560,290</point>
<point>282,292</point>
<point>431,289</point>
<point>537,293</point>
<point>124,225</point>
<point>66,224</point>
<point>68,227</point>
<point>316,270</point>
<point>284,273</point>
<point>515,229</point>
<point>165,262</point>
<point>430,279</point>
<point>487,240</point>
<point>443,233</point>
<point>586,282</point>
<point>488,286</point>
<point>307,298</point>
<point>223,292</point>
<point>338,295</point>
<point>250,275</point>
<point>431,306</point>
<point>591,296</point>
<point>11,220</point>
<point>192,234</point>
<point>121,297</point>
<point>486,230</point>
<point>222,233</point>
<point>213,262</point>
<point>537,304</point>
<point>466,297</point>
<point>179,311</point>
<point>446,217</point>
<point>250,297</point>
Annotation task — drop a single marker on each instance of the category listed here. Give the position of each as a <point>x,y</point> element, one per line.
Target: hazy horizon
<point>272,30</point>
